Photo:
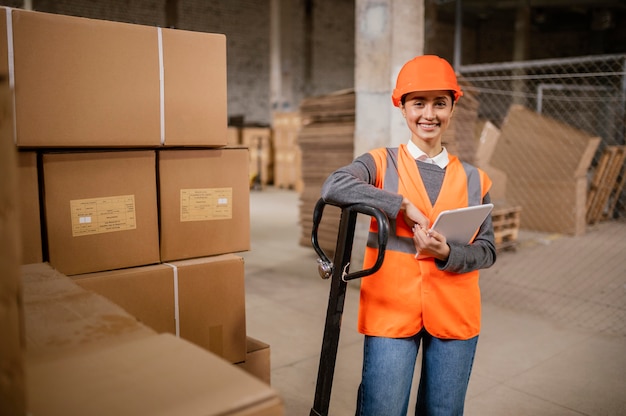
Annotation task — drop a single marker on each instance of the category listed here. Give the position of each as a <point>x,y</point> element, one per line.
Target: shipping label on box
<point>206,204</point>
<point>103,215</point>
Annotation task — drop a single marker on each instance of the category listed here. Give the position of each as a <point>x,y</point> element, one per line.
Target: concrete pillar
<point>275,54</point>
<point>388,34</point>
<point>520,48</point>
<point>281,71</point>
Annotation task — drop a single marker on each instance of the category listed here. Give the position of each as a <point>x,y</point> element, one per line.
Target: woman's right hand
<point>413,216</point>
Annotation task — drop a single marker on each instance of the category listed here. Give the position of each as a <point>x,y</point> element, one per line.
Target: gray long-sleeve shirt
<point>354,183</point>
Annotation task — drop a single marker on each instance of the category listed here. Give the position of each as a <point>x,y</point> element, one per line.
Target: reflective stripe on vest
<point>405,244</point>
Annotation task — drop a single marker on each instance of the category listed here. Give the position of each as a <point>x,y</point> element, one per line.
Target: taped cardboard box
<point>194,65</point>
<point>30,221</point>
<point>107,75</point>
<point>100,210</point>
<point>160,374</point>
<point>59,315</point>
<point>87,356</point>
<point>201,300</point>
<point>204,202</point>
<point>146,292</point>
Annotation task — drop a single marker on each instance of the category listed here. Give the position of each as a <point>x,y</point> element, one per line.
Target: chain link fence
<point>551,133</point>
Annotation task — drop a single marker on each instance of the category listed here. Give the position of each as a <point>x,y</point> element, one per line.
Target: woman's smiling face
<point>428,115</point>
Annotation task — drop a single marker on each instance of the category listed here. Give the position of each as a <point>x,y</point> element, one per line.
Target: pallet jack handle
<point>338,271</point>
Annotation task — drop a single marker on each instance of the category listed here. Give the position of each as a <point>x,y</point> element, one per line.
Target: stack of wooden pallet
<point>506,222</point>
<point>607,184</point>
<point>326,140</point>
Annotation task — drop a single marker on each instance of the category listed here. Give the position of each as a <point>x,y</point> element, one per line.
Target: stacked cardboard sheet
<point>460,139</point>
<point>546,163</point>
<point>326,140</point>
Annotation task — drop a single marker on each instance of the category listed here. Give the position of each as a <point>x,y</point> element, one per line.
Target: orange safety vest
<point>408,294</point>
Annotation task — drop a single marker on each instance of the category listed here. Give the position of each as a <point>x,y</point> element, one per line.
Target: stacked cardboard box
<point>94,83</point>
<point>259,142</point>
<point>87,355</point>
<point>287,155</point>
<point>13,394</point>
<point>140,200</point>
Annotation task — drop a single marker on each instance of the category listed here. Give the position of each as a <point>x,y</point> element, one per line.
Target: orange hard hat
<point>425,73</point>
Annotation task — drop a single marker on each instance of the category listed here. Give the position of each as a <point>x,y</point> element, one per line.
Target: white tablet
<point>460,225</point>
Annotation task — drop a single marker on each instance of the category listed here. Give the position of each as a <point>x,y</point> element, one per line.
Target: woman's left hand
<point>430,243</point>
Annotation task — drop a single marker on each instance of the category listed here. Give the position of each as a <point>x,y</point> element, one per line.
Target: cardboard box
<point>146,292</point>
<point>259,141</point>
<point>59,315</point>
<point>87,356</point>
<point>194,65</point>
<point>159,374</point>
<point>30,221</point>
<point>100,210</point>
<point>257,360</point>
<point>212,304</point>
<point>204,202</point>
<point>12,386</point>
<point>207,295</point>
<point>83,82</point>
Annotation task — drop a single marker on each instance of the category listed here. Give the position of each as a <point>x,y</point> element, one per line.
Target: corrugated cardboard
<point>204,202</point>
<point>552,194</point>
<point>209,293</point>
<point>83,82</point>
<point>156,375</point>
<point>211,299</point>
<point>146,292</point>
<point>30,221</point>
<point>194,66</point>
<point>12,386</point>
<point>87,356</point>
<point>59,315</point>
<point>257,360</point>
<point>109,182</point>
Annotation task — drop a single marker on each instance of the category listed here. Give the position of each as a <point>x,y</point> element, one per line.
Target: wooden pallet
<point>506,223</point>
<point>606,185</point>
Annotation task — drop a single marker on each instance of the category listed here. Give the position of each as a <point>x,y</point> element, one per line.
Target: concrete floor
<point>548,346</point>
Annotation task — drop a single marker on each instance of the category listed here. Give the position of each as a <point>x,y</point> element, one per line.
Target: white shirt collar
<point>440,160</point>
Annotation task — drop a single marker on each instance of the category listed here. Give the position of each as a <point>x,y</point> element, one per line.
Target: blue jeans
<point>388,365</point>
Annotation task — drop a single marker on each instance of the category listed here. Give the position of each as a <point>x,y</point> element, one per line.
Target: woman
<point>431,300</point>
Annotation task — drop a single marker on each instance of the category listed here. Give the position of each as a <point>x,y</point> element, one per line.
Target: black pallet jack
<point>338,271</point>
